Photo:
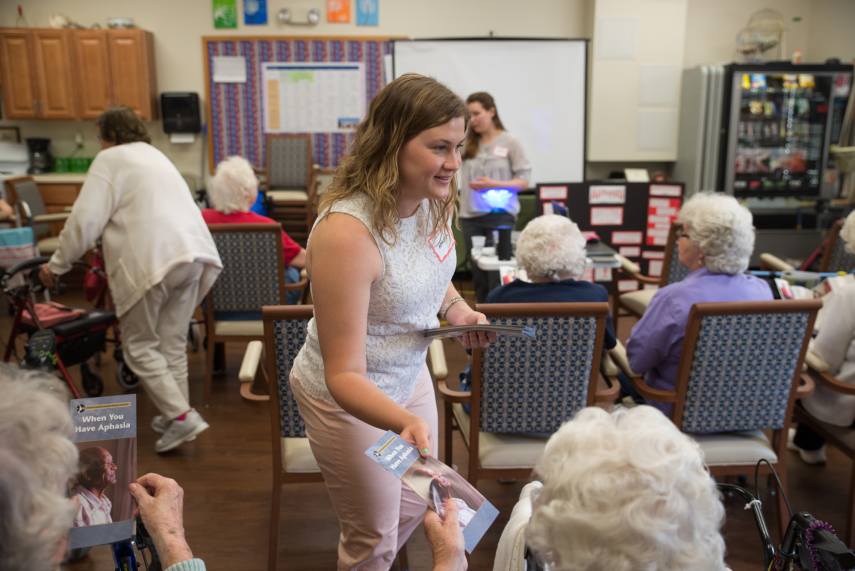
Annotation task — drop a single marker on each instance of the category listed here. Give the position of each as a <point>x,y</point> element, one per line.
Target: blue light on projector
<point>498,198</point>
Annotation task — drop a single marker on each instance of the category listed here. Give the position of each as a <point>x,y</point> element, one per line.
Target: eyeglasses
<point>683,234</point>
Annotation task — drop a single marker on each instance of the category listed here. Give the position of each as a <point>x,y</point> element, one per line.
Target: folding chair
<point>293,462</point>
<point>636,302</point>
<point>252,277</point>
<point>739,374</point>
<point>292,182</point>
<point>23,195</point>
<point>523,391</point>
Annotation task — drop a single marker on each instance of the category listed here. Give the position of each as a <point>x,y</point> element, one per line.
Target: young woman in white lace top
<point>380,259</point>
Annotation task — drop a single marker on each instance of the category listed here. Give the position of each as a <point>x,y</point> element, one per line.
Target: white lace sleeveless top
<point>416,273</point>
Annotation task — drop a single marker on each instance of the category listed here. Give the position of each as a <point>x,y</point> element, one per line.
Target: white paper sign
<point>607,216</point>
<point>659,203</point>
<point>655,268</point>
<point>602,274</point>
<point>626,238</point>
<point>553,192</point>
<point>629,251</point>
<point>653,255</point>
<point>229,69</point>
<point>627,285</point>
<point>665,190</point>
<point>607,194</point>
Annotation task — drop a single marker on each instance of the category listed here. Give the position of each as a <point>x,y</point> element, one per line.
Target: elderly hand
<point>483,183</point>
<point>46,277</point>
<point>161,507</point>
<point>446,539</point>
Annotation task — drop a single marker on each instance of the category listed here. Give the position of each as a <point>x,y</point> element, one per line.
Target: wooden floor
<point>226,476</point>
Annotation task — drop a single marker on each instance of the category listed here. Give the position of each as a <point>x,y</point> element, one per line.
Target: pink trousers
<point>376,512</point>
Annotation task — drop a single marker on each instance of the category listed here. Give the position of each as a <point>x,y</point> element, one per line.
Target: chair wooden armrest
<point>823,378</point>
<point>651,393</point>
<point>438,365</point>
<point>57,217</point>
<point>772,262</point>
<point>249,369</point>
<point>611,394</point>
<point>67,209</point>
<point>633,270</point>
<point>806,387</point>
<point>449,395</point>
<point>619,358</point>
<point>302,284</point>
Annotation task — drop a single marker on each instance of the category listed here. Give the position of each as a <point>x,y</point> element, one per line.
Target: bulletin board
<point>632,218</point>
<point>234,110</point>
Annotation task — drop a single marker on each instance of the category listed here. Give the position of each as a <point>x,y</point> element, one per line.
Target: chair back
<point>285,329</point>
<point>741,363</point>
<point>25,189</point>
<point>253,270</point>
<point>529,385</point>
<point>289,162</point>
<point>836,257</point>
<point>673,270</point>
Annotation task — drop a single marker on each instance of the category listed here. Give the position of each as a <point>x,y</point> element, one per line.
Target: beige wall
<point>178,26</point>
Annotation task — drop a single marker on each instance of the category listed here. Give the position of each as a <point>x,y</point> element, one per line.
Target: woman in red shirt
<point>233,191</point>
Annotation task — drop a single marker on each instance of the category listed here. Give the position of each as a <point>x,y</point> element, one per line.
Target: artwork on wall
<point>225,13</point>
<point>254,12</point>
<point>10,135</point>
<point>367,13</point>
<point>338,11</point>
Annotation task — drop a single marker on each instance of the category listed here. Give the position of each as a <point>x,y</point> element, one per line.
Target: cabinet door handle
<point>108,104</point>
<point>42,107</point>
<point>35,108</point>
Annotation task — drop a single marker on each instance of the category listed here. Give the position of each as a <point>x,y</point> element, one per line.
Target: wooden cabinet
<point>53,69</point>
<point>57,198</point>
<point>77,74</point>
<point>133,72</point>
<point>91,63</point>
<point>20,87</point>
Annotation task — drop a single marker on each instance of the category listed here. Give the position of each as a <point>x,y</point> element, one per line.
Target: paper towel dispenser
<point>180,112</point>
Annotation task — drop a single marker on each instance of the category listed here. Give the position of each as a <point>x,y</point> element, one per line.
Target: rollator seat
<point>92,319</point>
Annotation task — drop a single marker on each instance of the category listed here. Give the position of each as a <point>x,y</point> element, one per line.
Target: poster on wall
<point>367,13</point>
<point>313,97</point>
<point>338,11</point>
<point>254,12</point>
<point>225,13</point>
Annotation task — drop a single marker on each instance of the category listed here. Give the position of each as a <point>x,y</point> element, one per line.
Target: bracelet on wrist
<point>447,305</point>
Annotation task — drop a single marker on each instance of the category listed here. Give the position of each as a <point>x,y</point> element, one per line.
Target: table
<point>489,261</point>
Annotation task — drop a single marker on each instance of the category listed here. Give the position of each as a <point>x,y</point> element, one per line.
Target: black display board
<point>631,217</point>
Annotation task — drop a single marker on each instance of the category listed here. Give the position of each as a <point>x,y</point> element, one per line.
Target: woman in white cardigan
<point>160,260</point>
<point>835,344</point>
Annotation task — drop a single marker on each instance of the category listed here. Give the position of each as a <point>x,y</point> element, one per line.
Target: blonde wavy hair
<point>407,106</point>
<point>625,491</point>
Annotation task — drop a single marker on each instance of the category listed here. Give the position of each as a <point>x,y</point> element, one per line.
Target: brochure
<point>507,274</point>
<point>435,483</point>
<point>457,330</point>
<point>105,431</point>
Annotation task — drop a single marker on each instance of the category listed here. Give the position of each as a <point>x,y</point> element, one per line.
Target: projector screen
<point>538,85</point>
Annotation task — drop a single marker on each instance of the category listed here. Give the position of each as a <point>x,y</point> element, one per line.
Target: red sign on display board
<point>661,212</point>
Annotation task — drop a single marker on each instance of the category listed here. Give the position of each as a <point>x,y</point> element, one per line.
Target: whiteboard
<point>312,97</point>
<point>539,87</point>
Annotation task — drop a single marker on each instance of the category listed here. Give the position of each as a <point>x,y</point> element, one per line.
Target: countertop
<point>52,178</point>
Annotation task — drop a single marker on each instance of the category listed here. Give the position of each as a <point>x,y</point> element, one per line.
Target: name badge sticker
<point>500,151</point>
<point>442,243</point>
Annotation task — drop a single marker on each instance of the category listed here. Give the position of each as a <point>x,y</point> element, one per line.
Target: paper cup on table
<point>478,243</point>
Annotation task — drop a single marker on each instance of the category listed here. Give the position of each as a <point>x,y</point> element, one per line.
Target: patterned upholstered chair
<point>293,462</point>
<point>835,257</point>
<point>522,391</point>
<point>842,438</point>
<point>23,194</point>
<point>636,302</point>
<point>740,373</point>
<point>292,182</point>
<point>252,277</point>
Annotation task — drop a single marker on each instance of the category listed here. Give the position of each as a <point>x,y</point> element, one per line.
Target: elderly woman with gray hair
<point>37,458</point>
<point>552,251</point>
<point>715,243</point>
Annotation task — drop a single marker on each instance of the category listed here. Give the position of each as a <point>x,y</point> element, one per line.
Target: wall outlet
<point>78,138</point>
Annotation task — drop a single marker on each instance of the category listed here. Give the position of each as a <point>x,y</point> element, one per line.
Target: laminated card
<point>105,431</point>
<point>435,483</point>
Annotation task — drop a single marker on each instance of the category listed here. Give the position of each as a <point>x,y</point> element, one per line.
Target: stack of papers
<point>457,330</point>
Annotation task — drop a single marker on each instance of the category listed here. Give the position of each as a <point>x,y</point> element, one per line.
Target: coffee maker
<point>40,157</point>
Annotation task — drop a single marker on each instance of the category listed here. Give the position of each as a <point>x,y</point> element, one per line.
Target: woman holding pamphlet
<point>380,259</point>
<point>494,170</point>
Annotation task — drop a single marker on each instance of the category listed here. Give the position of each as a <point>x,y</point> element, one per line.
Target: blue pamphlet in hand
<point>105,431</point>
<point>435,483</point>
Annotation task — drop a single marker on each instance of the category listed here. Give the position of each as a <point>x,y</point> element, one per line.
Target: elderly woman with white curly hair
<point>233,191</point>
<point>551,249</point>
<point>834,344</point>
<point>37,458</point>
<point>715,243</point>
